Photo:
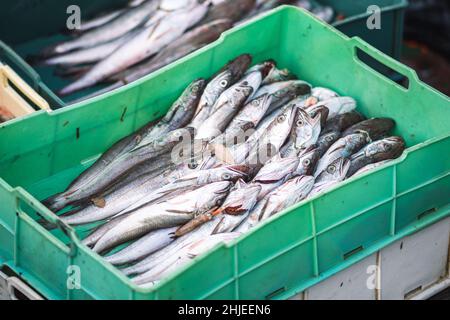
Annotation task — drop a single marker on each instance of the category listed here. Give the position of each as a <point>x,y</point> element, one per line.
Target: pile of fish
<point>123,45</point>
<point>231,152</point>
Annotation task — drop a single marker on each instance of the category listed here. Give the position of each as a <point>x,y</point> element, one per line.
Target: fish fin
<point>99,202</point>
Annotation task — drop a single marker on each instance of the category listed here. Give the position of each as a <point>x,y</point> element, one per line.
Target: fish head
<point>354,142</point>
<point>387,148</point>
<point>321,110</point>
<point>335,171</point>
<point>306,129</point>
<point>250,82</point>
<point>308,160</point>
<point>275,171</point>
<point>238,66</point>
<point>195,89</point>
<point>258,108</point>
<point>212,195</point>
<point>216,27</point>
<point>242,198</point>
<point>303,185</point>
<point>232,173</point>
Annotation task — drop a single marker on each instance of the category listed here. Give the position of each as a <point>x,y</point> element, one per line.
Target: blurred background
<point>427,41</point>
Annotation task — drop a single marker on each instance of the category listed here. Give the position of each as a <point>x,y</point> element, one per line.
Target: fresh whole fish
<point>277,75</point>
<point>184,256</point>
<point>90,54</point>
<point>343,121</point>
<point>99,20</point>
<point>343,148</point>
<point>248,118</point>
<point>304,133</point>
<point>377,128</point>
<point>274,173</point>
<point>273,137</point>
<point>308,160</point>
<point>323,94</point>
<point>387,148</point>
<point>242,198</point>
<point>338,105</point>
<point>333,174</point>
<point>232,10</point>
<point>326,140</point>
<point>179,114</point>
<point>288,194</point>
<point>152,260</point>
<point>227,105</point>
<point>227,77</point>
<point>187,43</point>
<point>283,92</point>
<point>115,28</point>
<point>173,212</point>
<point>146,43</point>
<point>151,242</point>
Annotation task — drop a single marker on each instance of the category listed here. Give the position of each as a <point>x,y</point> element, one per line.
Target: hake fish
<point>171,213</point>
<point>146,43</point>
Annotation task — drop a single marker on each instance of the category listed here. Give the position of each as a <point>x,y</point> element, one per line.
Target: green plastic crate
<point>292,250</point>
<point>32,32</point>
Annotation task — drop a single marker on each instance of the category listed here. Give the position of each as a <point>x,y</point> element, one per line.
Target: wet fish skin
<point>381,150</point>
<point>187,43</point>
<point>322,111</point>
<point>326,140</point>
<point>337,105</point>
<point>227,106</point>
<point>333,174</point>
<point>273,137</point>
<point>371,167</point>
<point>161,255</point>
<point>323,94</point>
<point>227,77</point>
<point>277,75</point>
<point>284,92</point>
<point>377,128</point>
<point>308,160</point>
<point>146,43</point>
<point>233,10</point>
<point>246,120</point>
<point>288,194</point>
<point>151,242</point>
<point>99,20</point>
<point>343,121</point>
<point>237,205</point>
<point>343,148</point>
<point>179,114</point>
<point>170,213</point>
<point>116,27</point>
<point>183,256</point>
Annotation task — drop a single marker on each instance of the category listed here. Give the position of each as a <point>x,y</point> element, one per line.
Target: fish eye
<point>281,118</point>
<point>218,202</point>
<point>223,83</point>
<point>226,176</point>
<point>255,102</point>
<point>300,123</point>
<point>388,147</point>
<point>306,163</point>
<point>192,165</point>
<point>245,83</point>
<point>331,169</point>
<point>194,89</point>
<point>329,138</point>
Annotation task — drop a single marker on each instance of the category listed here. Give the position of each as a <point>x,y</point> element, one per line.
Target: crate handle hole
<point>275,293</point>
<point>382,69</point>
<point>352,252</point>
<point>425,213</point>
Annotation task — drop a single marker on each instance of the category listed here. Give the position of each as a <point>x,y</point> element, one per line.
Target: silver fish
<point>326,140</point>
<point>343,148</point>
<point>304,133</point>
<point>337,106</point>
<point>242,198</point>
<point>152,260</point>
<point>173,212</point>
<point>184,256</point>
<point>246,120</point>
<point>333,174</point>
<point>146,43</point>
<point>117,27</point>
<point>288,194</point>
<point>229,75</point>
<point>273,138</point>
<point>323,94</point>
<point>141,248</point>
<point>227,105</point>
<point>277,75</point>
<point>385,149</point>
<point>342,122</point>
<point>99,20</point>
<point>377,128</point>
